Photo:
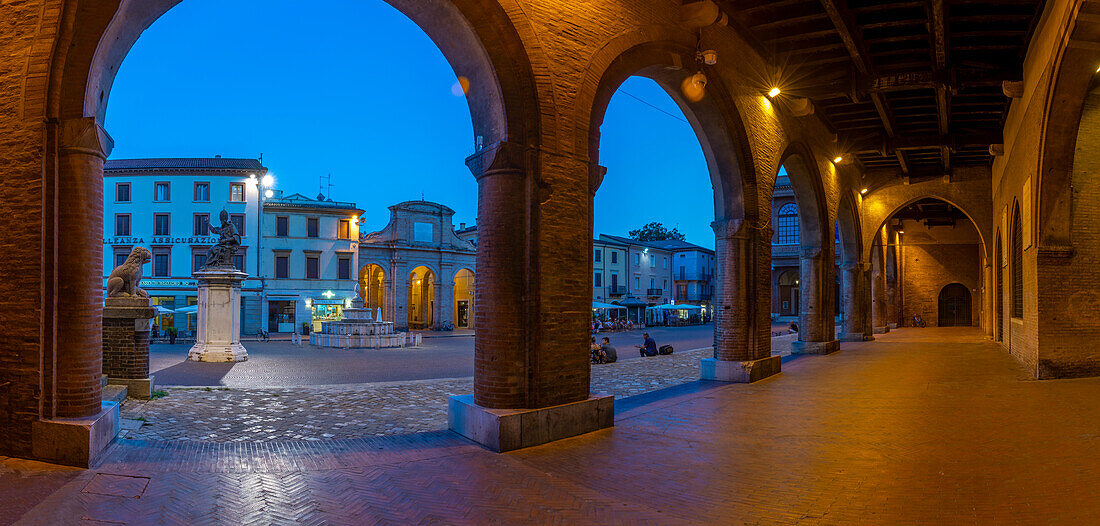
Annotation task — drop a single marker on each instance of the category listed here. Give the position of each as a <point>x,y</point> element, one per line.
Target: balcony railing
<point>617,290</point>
<point>653,292</point>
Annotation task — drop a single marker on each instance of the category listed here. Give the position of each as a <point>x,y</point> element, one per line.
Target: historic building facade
<point>167,205</point>
<point>417,271</point>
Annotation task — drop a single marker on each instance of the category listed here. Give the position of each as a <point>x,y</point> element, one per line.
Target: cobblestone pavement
<point>923,426</point>
<point>219,414</point>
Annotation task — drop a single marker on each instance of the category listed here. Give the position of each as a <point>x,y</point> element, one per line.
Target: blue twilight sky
<point>367,97</point>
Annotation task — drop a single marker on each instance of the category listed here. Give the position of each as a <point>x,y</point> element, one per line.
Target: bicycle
<point>263,335</point>
<point>918,321</point>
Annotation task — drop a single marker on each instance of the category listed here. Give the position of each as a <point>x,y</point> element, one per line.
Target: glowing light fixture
<point>269,193</point>
<point>837,159</point>
<point>773,92</point>
<point>268,180</point>
<point>328,294</point>
<point>864,191</point>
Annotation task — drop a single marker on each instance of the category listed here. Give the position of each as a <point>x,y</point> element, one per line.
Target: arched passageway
<point>422,298</point>
<point>954,306</point>
<point>372,288</point>
<point>463,308</point>
<point>787,288</point>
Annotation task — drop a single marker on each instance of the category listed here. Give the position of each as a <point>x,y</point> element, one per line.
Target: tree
<point>656,231</point>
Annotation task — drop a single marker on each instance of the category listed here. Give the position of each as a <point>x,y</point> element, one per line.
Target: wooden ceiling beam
<point>938,39</point>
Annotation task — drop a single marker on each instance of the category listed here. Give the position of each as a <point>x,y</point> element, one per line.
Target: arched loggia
<point>481,44</point>
<point>742,241</point>
<point>855,272</point>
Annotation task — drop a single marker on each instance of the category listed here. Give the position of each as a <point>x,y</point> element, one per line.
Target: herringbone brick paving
<point>924,426</point>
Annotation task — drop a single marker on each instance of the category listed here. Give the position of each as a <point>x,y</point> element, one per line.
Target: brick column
<point>894,312</point>
<point>533,292</point>
<point>741,354</point>
<point>866,327</point>
<point>850,273</point>
<point>879,322</point>
<point>816,332</point>
<point>78,424</point>
<point>126,344</point>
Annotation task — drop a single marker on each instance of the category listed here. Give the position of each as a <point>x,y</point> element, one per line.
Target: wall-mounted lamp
<point>773,93</point>
<point>863,191</point>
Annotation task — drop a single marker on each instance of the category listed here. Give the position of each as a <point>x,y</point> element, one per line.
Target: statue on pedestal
<point>229,240</point>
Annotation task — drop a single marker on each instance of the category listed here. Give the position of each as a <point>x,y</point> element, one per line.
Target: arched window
<point>787,233</point>
<point>1017,265</point>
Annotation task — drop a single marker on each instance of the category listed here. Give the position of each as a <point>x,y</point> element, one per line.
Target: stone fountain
<point>359,330</point>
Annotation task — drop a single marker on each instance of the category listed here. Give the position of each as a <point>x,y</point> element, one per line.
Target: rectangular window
<point>121,253</point>
<point>160,225</point>
<point>198,259</point>
<point>238,260</point>
<point>313,267</point>
<point>597,256</point>
<point>637,283</point>
<point>637,259</point>
<point>236,192</point>
<point>122,224</point>
<point>282,226</point>
<point>343,267</point>
<point>122,192</point>
<point>161,257</point>
<point>344,231</point>
<point>651,284</point>
<point>313,227</point>
<point>614,256</point>
<point>238,221</point>
<point>652,261</point>
<point>665,287</point>
<point>200,225</point>
<point>282,266</point>
<point>162,192</point>
<point>664,262</point>
<point>597,279</point>
<point>202,191</point>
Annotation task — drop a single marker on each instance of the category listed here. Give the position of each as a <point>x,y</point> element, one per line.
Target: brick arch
<point>477,38</point>
<point>1073,74</point>
<point>872,225</point>
<point>809,192</point>
<point>715,119</point>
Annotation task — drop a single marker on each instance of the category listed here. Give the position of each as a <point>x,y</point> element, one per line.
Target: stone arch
<point>372,287</point>
<point>715,119</point>
<point>422,300</point>
<point>477,38</point>
<point>849,229</point>
<point>463,297</point>
<point>876,219</point>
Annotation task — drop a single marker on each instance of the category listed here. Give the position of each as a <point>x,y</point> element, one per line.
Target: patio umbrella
<point>190,309</point>
<point>164,310</point>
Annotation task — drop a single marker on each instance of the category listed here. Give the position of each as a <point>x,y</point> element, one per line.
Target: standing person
<point>610,355</point>
<point>296,338</point>
<point>648,347</point>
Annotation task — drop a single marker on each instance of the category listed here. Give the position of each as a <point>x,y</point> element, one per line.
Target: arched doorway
<point>463,307</point>
<point>787,287</point>
<point>955,306</point>
<point>421,298</point>
<point>372,288</point>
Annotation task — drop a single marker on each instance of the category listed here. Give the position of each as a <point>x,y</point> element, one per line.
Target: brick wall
<point>125,351</point>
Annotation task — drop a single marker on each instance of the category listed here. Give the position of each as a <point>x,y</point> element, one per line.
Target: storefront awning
<point>603,306</point>
<point>671,306</point>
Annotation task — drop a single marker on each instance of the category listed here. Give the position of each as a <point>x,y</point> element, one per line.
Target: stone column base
<point>210,352</point>
<point>75,441</point>
<point>739,372</point>
<point>136,387</point>
<point>801,347</point>
<point>508,429</point>
<point>855,337</point>
<point>892,325</point>
<point>881,330</point>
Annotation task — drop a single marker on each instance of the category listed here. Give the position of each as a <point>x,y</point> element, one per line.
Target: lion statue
<point>124,279</point>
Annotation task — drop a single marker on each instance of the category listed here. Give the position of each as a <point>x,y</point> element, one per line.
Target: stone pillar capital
<point>811,253</point>
<point>596,174</point>
<point>85,135</point>
<point>501,157</point>
<point>739,229</point>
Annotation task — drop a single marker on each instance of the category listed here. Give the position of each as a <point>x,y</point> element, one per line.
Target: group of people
<point>605,352</point>
<point>611,325</point>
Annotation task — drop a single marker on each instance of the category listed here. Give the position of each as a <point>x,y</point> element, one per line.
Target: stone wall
<point>932,258</point>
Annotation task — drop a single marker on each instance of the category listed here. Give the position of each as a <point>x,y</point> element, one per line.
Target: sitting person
<point>596,352</point>
<point>649,347</point>
<point>792,328</point>
<point>610,355</point>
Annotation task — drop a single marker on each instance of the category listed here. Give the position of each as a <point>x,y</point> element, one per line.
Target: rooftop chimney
<point>462,226</point>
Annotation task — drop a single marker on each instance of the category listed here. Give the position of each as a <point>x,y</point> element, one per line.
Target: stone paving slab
<point>219,414</point>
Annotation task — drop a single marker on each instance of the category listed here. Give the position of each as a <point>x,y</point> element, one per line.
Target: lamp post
<point>263,191</point>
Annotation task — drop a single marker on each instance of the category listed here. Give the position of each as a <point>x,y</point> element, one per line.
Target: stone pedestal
<point>126,324</point>
<point>829,347</point>
<point>855,337</point>
<point>739,372</point>
<point>75,441</point>
<point>219,317</point>
<point>507,429</point>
